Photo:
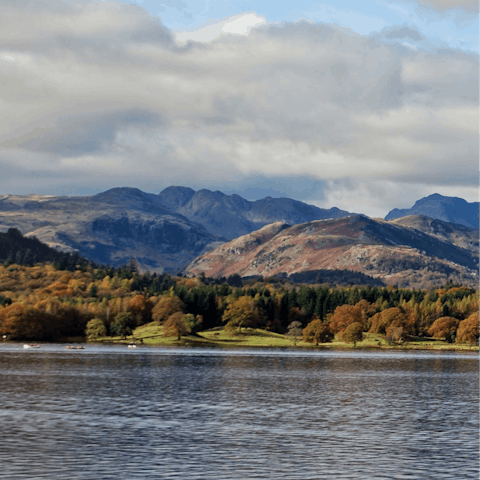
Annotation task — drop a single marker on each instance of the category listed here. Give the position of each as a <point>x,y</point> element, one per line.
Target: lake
<point>108,412</point>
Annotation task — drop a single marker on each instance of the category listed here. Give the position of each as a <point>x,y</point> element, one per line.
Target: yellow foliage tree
<point>241,313</point>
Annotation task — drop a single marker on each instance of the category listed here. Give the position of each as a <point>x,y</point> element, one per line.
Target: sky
<point>366,106</point>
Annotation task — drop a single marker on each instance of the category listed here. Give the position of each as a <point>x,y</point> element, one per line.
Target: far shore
<point>152,335</point>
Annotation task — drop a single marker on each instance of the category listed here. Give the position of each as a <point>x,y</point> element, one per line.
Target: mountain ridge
<point>440,207</point>
<point>392,253</point>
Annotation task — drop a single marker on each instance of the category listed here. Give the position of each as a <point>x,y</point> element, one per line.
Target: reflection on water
<point>112,413</point>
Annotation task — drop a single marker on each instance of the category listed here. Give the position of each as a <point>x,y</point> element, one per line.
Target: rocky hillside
<point>449,209</point>
<point>163,232</point>
<point>231,216</point>
<point>110,227</point>
<point>388,251</point>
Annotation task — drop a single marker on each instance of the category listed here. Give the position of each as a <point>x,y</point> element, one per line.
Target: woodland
<point>47,302</point>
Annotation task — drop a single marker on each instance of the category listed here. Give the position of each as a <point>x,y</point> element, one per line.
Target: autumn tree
<point>241,313</point>
<point>344,316</point>
<point>444,327</point>
<point>368,310</point>
<point>352,334</point>
<point>392,317</point>
<point>393,334</point>
<point>166,307</point>
<point>141,309</point>
<point>174,326</point>
<point>468,330</point>
<point>316,332</point>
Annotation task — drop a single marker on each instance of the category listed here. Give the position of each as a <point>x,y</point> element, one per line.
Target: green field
<point>152,334</point>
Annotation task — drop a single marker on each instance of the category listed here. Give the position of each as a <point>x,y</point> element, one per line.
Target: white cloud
<point>234,25</point>
<point>376,198</point>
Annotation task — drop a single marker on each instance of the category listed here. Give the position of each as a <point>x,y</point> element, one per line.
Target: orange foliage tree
<point>393,317</point>
<point>316,332</point>
<point>141,309</point>
<point>443,327</point>
<point>468,330</point>
<point>174,326</point>
<point>344,316</point>
<point>166,307</point>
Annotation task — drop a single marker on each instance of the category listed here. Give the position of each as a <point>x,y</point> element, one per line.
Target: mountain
<point>163,232</point>
<point>110,227</point>
<point>231,216</point>
<point>449,209</point>
<point>388,251</point>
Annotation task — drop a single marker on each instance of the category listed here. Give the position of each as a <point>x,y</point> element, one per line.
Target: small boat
<point>31,345</point>
<point>131,345</point>
<point>75,347</point>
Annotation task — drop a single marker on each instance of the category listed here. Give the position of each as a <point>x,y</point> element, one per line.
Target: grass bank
<point>152,334</point>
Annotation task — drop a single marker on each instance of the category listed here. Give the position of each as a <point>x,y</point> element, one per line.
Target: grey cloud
<point>105,87</point>
<point>78,134</point>
<point>403,32</point>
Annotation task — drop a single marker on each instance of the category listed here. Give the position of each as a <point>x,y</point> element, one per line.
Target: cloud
<point>103,92</point>
<point>363,196</point>
<point>442,5</point>
<point>403,32</point>
<point>234,25</point>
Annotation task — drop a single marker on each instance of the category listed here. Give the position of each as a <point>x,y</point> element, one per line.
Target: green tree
<point>123,325</point>
<point>192,323</point>
<point>95,329</point>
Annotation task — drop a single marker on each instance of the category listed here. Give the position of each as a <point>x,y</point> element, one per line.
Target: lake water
<point>108,412</point>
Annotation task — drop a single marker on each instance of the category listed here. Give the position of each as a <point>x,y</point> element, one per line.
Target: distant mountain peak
<point>449,209</point>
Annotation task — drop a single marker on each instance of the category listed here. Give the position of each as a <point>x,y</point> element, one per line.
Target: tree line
<point>45,303</point>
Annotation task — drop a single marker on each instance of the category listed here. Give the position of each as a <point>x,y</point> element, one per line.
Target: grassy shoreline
<point>152,335</point>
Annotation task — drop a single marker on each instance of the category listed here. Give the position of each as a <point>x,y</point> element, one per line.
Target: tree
<point>344,316</point>
<point>316,332</point>
<point>141,309</point>
<point>123,325</point>
<point>241,313</point>
<point>392,317</point>
<point>393,334</point>
<point>468,330</point>
<point>352,334</point>
<point>192,323</point>
<point>174,326</point>
<point>443,327</point>
<point>166,307</point>
<point>295,331</point>
<point>95,329</point>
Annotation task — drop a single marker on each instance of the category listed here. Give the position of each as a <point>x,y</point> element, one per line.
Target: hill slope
<point>390,252</point>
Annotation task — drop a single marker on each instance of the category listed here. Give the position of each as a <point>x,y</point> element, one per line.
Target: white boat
<point>131,346</point>
<point>31,345</point>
